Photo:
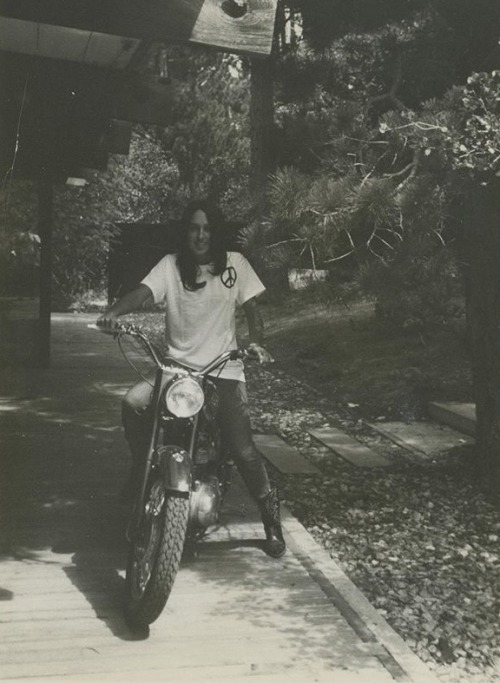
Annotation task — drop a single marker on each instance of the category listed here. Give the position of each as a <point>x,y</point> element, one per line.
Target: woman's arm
<point>256,332</point>
<point>132,301</point>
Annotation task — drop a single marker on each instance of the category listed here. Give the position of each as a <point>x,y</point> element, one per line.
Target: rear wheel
<point>155,554</point>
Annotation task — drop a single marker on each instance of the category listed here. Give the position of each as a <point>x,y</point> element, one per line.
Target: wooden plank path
<point>234,614</point>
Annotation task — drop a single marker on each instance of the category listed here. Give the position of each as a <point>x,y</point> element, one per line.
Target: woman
<point>202,285</point>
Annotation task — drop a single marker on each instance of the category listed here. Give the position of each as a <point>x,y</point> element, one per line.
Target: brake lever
<point>256,357</point>
<point>239,354</point>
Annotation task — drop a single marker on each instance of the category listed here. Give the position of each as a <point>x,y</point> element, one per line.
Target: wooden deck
<point>234,615</point>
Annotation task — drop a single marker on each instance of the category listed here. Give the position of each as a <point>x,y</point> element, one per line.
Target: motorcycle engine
<point>204,503</point>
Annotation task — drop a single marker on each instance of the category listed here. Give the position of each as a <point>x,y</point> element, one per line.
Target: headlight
<point>184,397</point>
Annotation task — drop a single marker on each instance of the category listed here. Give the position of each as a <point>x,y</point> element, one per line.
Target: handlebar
<point>121,329</point>
<point>235,354</point>
<point>118,328</point>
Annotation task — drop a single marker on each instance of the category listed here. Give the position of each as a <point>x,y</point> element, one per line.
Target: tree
<point>209,137</point>
<point>205,150</point>
<point>388,159</point>
<point>132,189</point>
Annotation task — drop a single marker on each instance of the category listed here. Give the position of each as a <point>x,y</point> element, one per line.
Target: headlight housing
<point>184,397</point>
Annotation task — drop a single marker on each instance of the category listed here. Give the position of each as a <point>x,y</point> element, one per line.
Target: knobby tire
<point>171,530</point>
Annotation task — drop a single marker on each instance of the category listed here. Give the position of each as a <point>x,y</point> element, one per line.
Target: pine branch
<point>391,95</point>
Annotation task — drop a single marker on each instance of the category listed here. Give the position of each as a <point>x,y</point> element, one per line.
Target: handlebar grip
<point>101,328</point>
<point>117,329</point>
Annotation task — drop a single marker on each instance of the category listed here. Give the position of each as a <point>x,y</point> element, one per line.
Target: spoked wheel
<point>155,554</point>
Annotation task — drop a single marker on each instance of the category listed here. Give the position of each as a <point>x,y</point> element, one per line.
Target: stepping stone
<point>348,448</point>
<point>461,416</point>
<point>285,458</point>
<point>421,438</point>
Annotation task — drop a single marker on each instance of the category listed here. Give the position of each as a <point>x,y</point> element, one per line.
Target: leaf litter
<point>419,538</point>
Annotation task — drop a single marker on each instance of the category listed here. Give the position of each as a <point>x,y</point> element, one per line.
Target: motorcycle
<point>184,477</point>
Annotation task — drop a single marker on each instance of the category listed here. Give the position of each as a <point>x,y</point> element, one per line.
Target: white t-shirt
<point>200,325</point>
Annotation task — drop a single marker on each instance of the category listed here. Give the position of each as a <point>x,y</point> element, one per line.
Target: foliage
<point>208,140</point>
<point>368,140</point>
<point>476,147</point>
<point>432,291</point>
<point>86,219</point>
<point>19,242</point>
<point>205,150</point>
<point>383,134</point>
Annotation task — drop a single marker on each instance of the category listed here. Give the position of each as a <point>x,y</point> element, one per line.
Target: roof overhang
<point>63,43</point>
<point>73,78</point>
<point>107,32</point>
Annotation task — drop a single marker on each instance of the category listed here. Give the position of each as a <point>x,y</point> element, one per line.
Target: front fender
<point>175,464</point>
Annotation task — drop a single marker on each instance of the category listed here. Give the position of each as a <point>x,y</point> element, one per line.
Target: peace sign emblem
<point>228,277</point>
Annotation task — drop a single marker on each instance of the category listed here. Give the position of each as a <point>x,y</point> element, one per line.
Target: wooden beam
<point>252,33</point>
<point>128,18</point>
<point>175,21</point>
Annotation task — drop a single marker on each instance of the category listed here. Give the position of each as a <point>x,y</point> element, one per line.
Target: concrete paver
<point>285,458</point>
<point>349,448</point>
<point>234,614</point>
<point>460,416</point>
<point>421,438</point>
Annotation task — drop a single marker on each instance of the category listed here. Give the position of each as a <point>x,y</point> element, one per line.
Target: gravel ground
<point>419,538</point>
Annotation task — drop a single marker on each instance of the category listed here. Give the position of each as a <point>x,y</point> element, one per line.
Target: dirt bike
<point>184,477</point>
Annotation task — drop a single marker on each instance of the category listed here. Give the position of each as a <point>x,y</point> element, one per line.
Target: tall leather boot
<point>138,450</point>
<point>128,491</point>
<point>137,432</point>
<point>270,512</point>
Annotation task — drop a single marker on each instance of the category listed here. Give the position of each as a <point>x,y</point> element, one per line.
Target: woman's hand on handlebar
<point>257,352</point>
<point>107,321</point>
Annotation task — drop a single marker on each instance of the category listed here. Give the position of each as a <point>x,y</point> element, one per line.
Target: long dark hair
<point>187,265</point>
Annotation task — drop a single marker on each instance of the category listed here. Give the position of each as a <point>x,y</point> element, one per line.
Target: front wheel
<point>155,554</point>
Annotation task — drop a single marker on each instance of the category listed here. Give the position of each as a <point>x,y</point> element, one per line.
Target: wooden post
<point>262,156</point>
<point>482,258</point>
<point>45,218</point>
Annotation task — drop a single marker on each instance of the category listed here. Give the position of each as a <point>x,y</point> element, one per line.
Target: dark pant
<point>234,419</point>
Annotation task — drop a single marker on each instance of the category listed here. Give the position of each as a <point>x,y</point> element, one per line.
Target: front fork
<point>175,463</point>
